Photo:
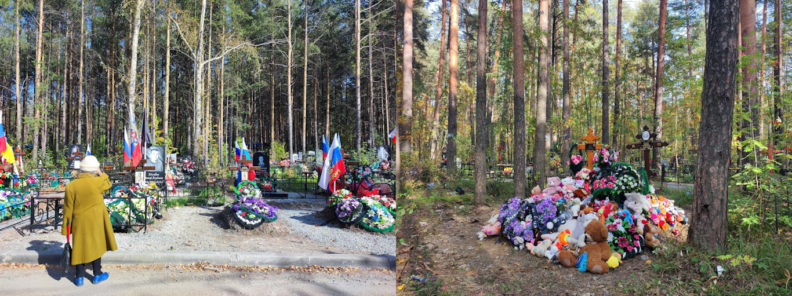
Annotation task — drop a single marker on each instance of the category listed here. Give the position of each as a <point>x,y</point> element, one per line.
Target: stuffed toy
<point>541,248</point>
<point>596,252</point>
<point>492,227</point>
<point>650,237</point>
<point>614,260</point>
<point>553,186</point>
<point>637,203</point>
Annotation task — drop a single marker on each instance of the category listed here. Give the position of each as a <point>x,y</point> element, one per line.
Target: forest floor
<point>438,242</point>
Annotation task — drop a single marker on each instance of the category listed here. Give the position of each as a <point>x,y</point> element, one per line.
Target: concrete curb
<point>53,256</point>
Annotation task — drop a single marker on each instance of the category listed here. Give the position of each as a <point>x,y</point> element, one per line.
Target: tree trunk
<point>132,74</point>
<point>540,162</point>
<point>493,76</point>
<point>518,83</point>
<point>709,226</point>
<point>166,99</point>
<point>567,107</point>
<point>470,74</point>
<point>289,82</point>
<point>406,112</point>
<point>435,119</point>
<point>80,98</point>
<point>65,86</point>
<point>358,122</point>
<point>372,131</point>
<point>658,110</point>
<point>605,74</point>
<point>762,78</point>
<point>453,81</point>
<point>480,196</point>
<point>18,78</point>
<point>38,88</point>
<point>750,87</point>
<point>617,77</point>
<point>327,103</point>
<point>305,82</point>
<point>778,87</point>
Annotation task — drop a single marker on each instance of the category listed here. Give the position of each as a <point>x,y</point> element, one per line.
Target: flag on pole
<point>5,148</point>
<point>88,152</point>
<point>392,135</point>
<point>336,160</point>
<point>324,179</point>
<point>325,149</point>
<point>127,150</point>
<point>134,144</point>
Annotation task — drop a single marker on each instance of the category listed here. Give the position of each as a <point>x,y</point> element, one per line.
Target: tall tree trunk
<point>778,87</point>
<point>453,81</point>
<point>289,82</point>
<point>750,87</point>
<point>540,162</point>
<point>132,74</point>
<point>709,226</point>
<point>491,118</point>
<point>221,120</point>
<point>327,103</point>
<point>617,77</point>
<point>272,96</point>
<point>658,110</point>
<point>305,81</point>
<point>567,107</point>
<point>65,83</point>
<point>18,78</point>
<point>358,122</point>
<point>470,74</point>
<point>406,112</point>
<point>38,88</point>
<point>480,196</point>
<point>372,131</point>
<point>166,99</point>
<point>605,74</point>
<point>80,98</point>
<point>518,83</point>
<point>434,121</point>
<point>762,78</point>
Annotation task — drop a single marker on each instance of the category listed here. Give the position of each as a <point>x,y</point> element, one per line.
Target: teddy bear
<point>596,252</point>
<point>553,186</point>
<point>492,227</point>
<point>650,237</point>
<point>637,203</point>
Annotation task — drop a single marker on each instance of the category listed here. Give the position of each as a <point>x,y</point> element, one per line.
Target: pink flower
<point>636,243</point>
<point>629,248</point>
<point>623,242</point>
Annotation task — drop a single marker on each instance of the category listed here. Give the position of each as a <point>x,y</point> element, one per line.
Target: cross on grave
<point>244,161</point>
<point>647,143</point>
<point>589,147</point>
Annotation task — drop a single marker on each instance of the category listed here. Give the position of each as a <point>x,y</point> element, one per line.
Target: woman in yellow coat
<point>85,209</point>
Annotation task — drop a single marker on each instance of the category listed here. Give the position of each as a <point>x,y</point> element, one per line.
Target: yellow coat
<point>84,207</point>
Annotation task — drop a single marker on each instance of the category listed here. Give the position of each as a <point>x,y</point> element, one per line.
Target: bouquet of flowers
<point>188,166</point>
<point>338,196</point>
<point>623,236</point>
<point>377,218</point>
<point>348,210</point>
<point>388,202</point>
<point>607,182</point>
<point>14,203</point>
<point>515,217</point>
<point>545,211</point>
<point>627,184</point>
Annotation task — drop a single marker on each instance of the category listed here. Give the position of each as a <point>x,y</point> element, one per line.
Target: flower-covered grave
<point>373,212</point>
<point>249,208</point>
<point>592,220</point>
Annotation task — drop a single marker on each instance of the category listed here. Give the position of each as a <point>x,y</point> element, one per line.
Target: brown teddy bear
<point>597,249</point>
<point>649,236</point>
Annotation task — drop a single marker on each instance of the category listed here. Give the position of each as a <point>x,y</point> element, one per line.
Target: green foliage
<point>278,151</point>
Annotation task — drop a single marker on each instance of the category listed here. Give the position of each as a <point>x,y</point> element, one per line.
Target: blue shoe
<point>99,278</point>
<point>79,281</point>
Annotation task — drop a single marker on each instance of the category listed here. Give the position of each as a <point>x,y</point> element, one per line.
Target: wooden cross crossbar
<point>132,168</point>
<point>244,161</point>
<point>648,142</point>
<point>590,146</point>
<point>770,152</point>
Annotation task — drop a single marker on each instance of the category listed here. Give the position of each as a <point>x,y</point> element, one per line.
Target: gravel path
<point>297,230</point>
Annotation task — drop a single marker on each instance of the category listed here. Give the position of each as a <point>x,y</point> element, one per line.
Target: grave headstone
<point>261,160</point>
<point>155,165</point>
<point>74,156</point>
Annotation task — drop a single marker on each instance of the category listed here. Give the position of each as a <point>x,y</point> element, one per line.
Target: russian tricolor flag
<point>325,149</point>
<point>333,165</point>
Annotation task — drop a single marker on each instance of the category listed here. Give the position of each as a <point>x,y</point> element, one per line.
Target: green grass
<point>183,201</point>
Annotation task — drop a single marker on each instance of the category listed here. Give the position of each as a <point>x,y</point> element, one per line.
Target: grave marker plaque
<point>155,168</point>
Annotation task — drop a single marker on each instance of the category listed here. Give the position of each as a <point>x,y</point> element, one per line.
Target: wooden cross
<point>589,147</point>
<point>647,143</point>
<point>133,168</point>
<point>244,161</point>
